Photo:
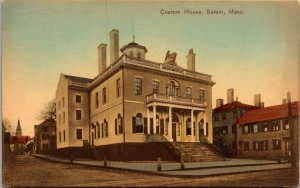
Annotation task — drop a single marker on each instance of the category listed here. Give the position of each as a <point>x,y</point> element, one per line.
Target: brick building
<point>45,137</point>
<point>266,132</point>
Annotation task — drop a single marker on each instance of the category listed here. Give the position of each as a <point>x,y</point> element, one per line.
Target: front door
<point>174,132</point>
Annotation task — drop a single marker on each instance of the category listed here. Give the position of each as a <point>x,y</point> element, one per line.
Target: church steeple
<point>19,129</point>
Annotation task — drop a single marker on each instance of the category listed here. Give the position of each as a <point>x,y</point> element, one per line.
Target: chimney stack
<point>230,95</point>
<point>114,45</point>
<point>237,99</point>
<point>101,58</point>
<point>257,101</point>
<point>191,58</point>
<point>219,102</point>
<point>289,100</point>
<point>262,105</point>
<point>284,101</point>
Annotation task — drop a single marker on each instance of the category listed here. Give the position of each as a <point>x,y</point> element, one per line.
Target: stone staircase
<point>198,152</point>
<point>190,151</point>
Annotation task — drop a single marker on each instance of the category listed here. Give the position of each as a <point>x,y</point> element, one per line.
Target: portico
<point>181,117</point>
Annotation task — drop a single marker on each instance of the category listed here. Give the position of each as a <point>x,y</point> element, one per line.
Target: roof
<point>19,139</point>
<point>269,113</point>
<point>133,44</point>
<point>48,122</point>
<point>19,126</point>
<point>232,106</point>
<point>79,79</point>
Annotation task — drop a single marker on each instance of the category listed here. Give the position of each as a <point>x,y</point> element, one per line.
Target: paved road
<point>30,171</point>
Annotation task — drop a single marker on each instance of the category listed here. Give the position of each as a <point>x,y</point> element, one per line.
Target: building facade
<point>45,137</point>
<point>266,132</point>
<point>133,98</point>
<point>224,123</point>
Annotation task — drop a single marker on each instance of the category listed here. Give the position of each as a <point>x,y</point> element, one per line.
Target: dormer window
<point>139,56</point>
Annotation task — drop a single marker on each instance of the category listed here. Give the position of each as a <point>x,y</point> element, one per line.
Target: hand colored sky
<point>256,52</point>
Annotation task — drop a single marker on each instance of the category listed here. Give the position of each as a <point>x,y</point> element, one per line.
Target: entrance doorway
<point>174,132</point>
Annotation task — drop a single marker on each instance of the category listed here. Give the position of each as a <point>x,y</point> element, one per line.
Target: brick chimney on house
<point>257,101</point>
<point>219,102</point>
<point>191,58</point>
<point>114,45</point>
<point>101,58</point>
<point>230,95</point>
<point>289,100</point>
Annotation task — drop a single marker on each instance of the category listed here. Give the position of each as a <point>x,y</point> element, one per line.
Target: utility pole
<point>292,135</point>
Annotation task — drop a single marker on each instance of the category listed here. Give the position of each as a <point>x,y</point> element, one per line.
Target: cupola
<point>134,50</point>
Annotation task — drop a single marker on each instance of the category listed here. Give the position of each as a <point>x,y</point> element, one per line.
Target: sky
<point>255,52</point>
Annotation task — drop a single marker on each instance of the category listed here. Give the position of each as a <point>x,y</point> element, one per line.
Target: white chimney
<point>219,102</point>
<point>101,58</point>
<point>191,58</point>
<point>114,45</point>
<point>230,95</point>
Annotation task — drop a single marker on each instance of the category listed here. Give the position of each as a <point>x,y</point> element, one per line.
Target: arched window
<point>188,126</point>
<point>173,88</point>
<point>98,130</point>
<point>105,128</point>
<point>139,55</point>
<point>118,125</point>
<point>131,54</point>
<point>137,123</point>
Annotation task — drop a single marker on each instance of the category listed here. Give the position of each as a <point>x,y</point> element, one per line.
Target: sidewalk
<point>191,169</point>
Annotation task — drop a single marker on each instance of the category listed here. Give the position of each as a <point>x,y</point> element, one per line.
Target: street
<point>27,170</point>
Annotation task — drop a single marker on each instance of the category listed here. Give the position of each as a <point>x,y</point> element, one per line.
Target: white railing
<point>175,99</point>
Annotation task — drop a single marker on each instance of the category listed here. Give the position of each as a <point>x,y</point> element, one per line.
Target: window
<point>98,130</point>
<point>45,136</point>
<point>265,145</point>
<point>139,56</point>
<point>216,130</point>
<point>137,123</point>
<point>78,114</point>
<point>104,95</point>
<point>59,119</point>
<point>118,125</point>
<point>246,146</point>
<point>138,86</point>
<point>59,105</point>
<point>255,145</point>
<point>224,130</point>
<point>155,87</point>
<point>255,128</point>
<point>223,116</point>
<point>172,89</point>
<point>188,92</point>
<point>96,100</point>
<point>118,86</point>
<point>216,117</point>
<point>63,99</point>
<point>246,129</point>
<point>79,134</point>
<point>64,135</point>
<point>207,129</point>
<point>102,130</point>
<point>188,126</point>
<point>59,136</point>
<point>78,98</point>
<point>234,114</point>
<point>105,128</point>
<point>201,94</point>
<point>265,127</point>
<point>64,117</point>
<point>131,54</point>
<point>285,124</point>
<point>276,144</point>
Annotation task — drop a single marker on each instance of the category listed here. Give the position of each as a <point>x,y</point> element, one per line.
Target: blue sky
<point>256,52</point>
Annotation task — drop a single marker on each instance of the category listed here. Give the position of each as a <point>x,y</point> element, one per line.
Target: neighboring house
<point>133,98</point>
<point>45,137</point>
<point>224,123</point>
<point>266,132</point>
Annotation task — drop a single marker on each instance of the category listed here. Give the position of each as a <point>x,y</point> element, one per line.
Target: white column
<point>170,124</point>
<point>148,120</point>
<point>154,119</point>
<point>192,125</point>
<point>197,128</point>
<point>204,123</point>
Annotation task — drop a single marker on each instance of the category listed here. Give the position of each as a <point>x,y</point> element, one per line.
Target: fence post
<point>158,164</point>
<point>182,163</point>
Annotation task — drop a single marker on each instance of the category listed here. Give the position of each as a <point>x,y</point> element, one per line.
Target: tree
<point>49,112</point>
<point>7,124</point>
